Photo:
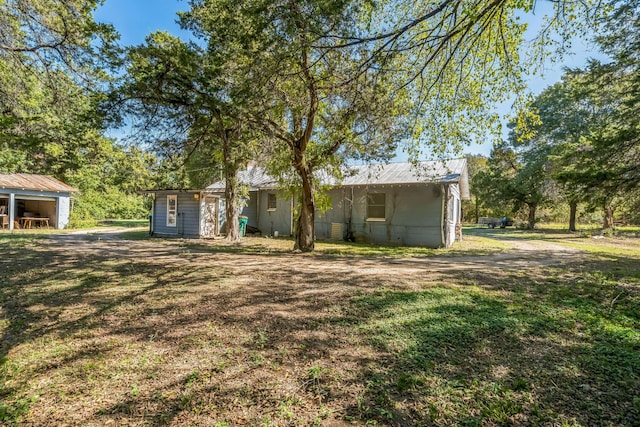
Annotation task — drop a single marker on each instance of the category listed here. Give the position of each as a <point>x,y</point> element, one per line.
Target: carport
<point>30,201</point>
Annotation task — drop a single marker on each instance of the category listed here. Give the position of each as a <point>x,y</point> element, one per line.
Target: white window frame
<point>384,207</point>
<point>275,202</point>
<point>173,197</point>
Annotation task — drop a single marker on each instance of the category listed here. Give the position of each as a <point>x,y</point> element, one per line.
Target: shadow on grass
<point>163,334</point>
<point>546,233</point>
<point>51,295</point>
<point>82,301</point>
<point>506,350</point>
<point>346,250</point>
<point>516,234</point>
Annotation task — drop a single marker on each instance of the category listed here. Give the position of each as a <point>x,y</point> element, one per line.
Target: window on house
<point>172,210</point>
<point>376,206</point>
<point>271,202</point>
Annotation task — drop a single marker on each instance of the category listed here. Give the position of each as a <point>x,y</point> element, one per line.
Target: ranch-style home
<point>396,203</point>
<point>30,201</point>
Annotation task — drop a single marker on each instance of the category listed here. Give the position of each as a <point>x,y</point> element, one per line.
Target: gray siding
<point>188,220</point>
<point>413,215</point>
<point>277,220</point>
<point>160,217</point>
<point>251,210</point>
<point>338,213</point>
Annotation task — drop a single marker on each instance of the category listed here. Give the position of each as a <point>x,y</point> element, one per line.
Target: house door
<point>209,223</point>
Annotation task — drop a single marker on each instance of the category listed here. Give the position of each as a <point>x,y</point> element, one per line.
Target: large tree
<point>52,62</point>
<point>556,122</point>
<point>323,65</point>
<point>520,177</point>
<point>592,117</point>
<point>184,107</point>
<point>315,99</point>
<point>40,38</point>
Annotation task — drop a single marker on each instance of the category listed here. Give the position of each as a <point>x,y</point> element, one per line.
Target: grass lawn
<point>472,245</point>
<point>138,331</point>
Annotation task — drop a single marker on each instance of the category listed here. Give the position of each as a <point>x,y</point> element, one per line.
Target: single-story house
<point>29,200</point>
<point>396,203</point>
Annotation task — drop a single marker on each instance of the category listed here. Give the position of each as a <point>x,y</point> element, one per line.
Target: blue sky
<point>134,19</point>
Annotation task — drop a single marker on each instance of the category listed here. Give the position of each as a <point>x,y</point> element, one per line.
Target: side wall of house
<point>336,216</point>
<point>251,209</point>
<point>413,215</point>
<point>272,220</point>
<point>188,218</point>
<point>160,217</point>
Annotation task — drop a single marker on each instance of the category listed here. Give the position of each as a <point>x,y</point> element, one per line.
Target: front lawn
<point>470,245</point>
<point>104,331</point>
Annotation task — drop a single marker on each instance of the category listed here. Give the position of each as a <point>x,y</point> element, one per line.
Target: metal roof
<point>255,177</point>
<point>33,182</point>
<point>435,171</point>
<point>405,173</point>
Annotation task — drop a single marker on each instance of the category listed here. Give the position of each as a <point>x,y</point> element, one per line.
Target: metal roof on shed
<point>255,177</point>
<point>33,182</point>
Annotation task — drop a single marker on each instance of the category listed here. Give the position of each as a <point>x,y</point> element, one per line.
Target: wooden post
<point>12,209</point>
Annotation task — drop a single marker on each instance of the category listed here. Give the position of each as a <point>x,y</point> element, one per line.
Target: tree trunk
<point>305,227</point>
<point>573,209</point>
<point>477,210</point>
<point>608,218</point>
<point>532,215</point>
<point>232,206</point>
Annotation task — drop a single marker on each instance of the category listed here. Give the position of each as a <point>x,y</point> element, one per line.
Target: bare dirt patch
<point>276,256</point>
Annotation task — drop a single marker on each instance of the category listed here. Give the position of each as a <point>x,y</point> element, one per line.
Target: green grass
<point>125,223</point>
<point>134,235</point>
<point>175,332</point>
<point>470,246</point>
<point>536,351</point>
<point>20,240</point>
<point>605,247</point>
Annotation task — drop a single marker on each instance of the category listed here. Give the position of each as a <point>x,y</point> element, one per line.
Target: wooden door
<point>209,223</point>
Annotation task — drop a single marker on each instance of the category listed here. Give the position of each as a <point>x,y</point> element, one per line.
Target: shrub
<point>111,204</point>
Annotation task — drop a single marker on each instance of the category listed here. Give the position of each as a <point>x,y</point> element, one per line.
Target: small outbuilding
<point>398,203</point>
<point>29,201</point>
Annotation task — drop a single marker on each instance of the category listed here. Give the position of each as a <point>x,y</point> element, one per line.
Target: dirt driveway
<point>522,254</point>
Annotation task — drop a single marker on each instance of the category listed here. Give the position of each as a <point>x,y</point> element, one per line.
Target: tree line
<point>578,144</point>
